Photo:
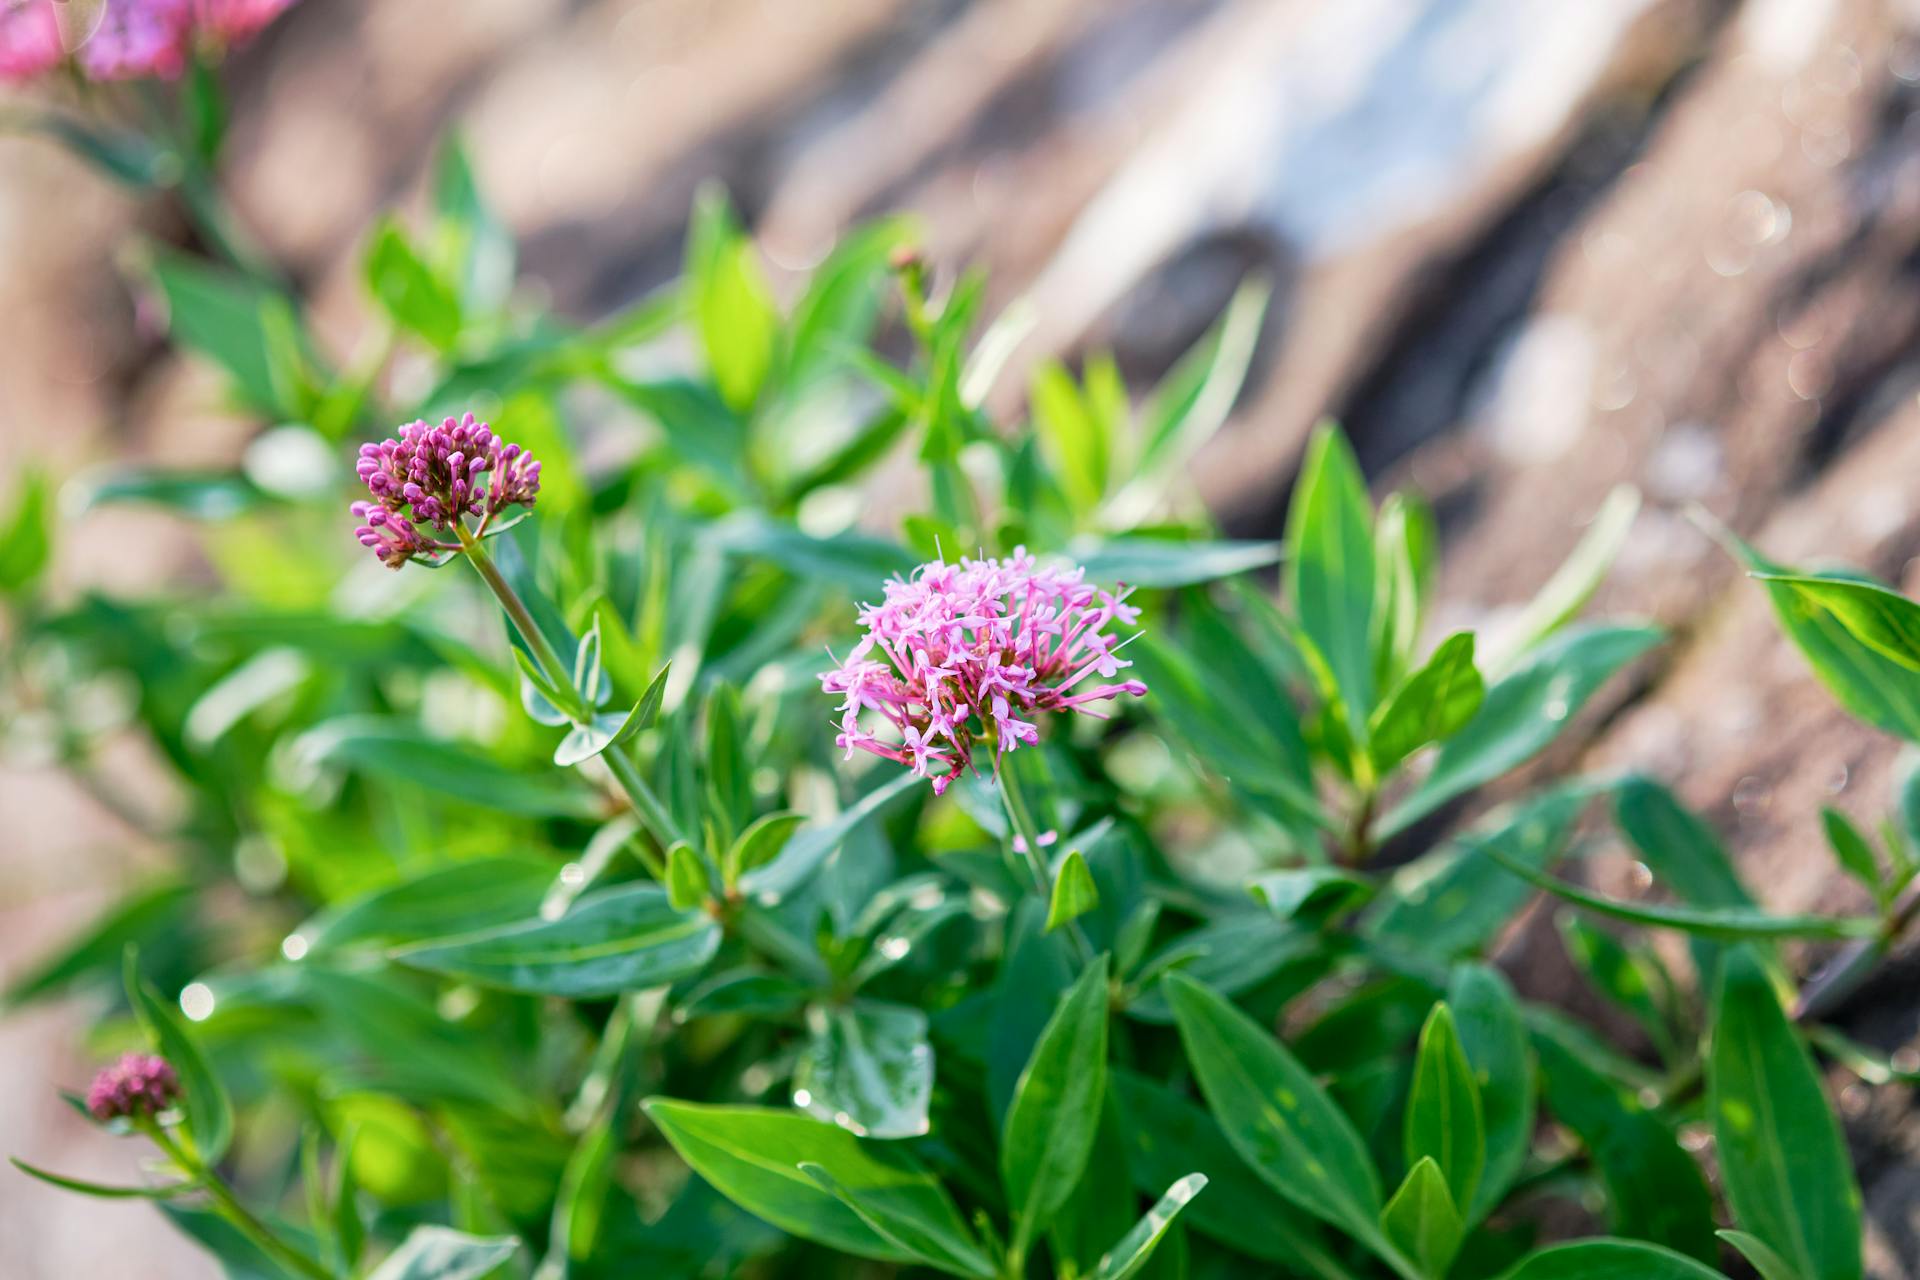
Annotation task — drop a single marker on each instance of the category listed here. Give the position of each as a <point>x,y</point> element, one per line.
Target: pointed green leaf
<point>1850,848</point>
<point>100,1190</point>
<point>439,1253</point>
<point>1074,893</point>
<point>1421,1219</point>
<point>1050,1126</point>
<point>209,1111</point>
<point>1330,572</point>
<point>1431,705</point>
<point>938,1239</point>
<point>1275,1113</point>
<point>1626,978</point>
<point>687,884</point>
<point>645,711</point>
<point>752,1156</point>
<point>612,941</point>
<point>1444,1121</point>
<point>1783,1161</point>
<point>1881,619</point>
<point>761,843</point>
<point>1522,714</point>
<point>585,741</point>
<point>1609,1260</point>
<point>1494,1039</point>
<point>868,1068</point>
<point>26,537</point>
<point>733,307</point>
<point>1311,893</point>
<point>1756,1251</point>
<point>410,291</point>
<point>1572,584</point>
<point>1136,1247</point>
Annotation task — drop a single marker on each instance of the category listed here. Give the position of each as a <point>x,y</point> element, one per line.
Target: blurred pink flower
<point>957,654</point>
<point>139,1085</point>
<point>137,39</point>
<point>232,21</point>
<point>29,39</point>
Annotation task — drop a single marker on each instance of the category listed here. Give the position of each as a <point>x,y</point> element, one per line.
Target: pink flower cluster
<point>437,476</point>
<point>961,654</point>
<point>140,1084</point>
<point>123,39</point>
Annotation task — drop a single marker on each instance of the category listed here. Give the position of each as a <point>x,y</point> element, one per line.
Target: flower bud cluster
<point>139,1085</point>
<point>436,476</point>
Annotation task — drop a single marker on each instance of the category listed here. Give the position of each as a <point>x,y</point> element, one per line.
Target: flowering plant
<point>1108,931</point>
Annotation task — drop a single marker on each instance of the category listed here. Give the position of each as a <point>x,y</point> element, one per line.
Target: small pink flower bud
<point>139,1085</point>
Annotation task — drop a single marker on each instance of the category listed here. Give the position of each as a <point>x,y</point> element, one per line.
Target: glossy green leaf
<point>802,855</point>
<point>209,1111</point>
<point>687,883</point>
<point>100,1190</point>
<point>408,288</point>
<point>1757,1252</point>
<point>1881,619</point>
<point>867,1067</point>
<point>1850,848</point>
<point>1313,894</point>
<point>1723,923</point>
<point>614,940</point>
<point>1135,1249</point>
<point>1494,1039</point>
<point>1870,685</point>
<point>732,305</point>
<point>1230,955</point>
<point>752,1155</point>
<point>446,900</point>
<point>1165,562</point>
<point>440,1253</point>
<point>1421,1219</point>
<point>1572,584</point>
<point>1522,714</point>
<point>1330,570</point>
<point>1050,1126</point>
<point>26,534</point>
<point>760,843</point>
<point>1444,1121</point>
<point>585,741</point>
<point>1609,1260</point>
<point>1654,1189</point>
<point>928,1230</point>
<point>1074,893</point>
<point>1274,1112</point>
<point>1431,705</point>
<point>1783,1161</point>
<point>645,711</point>
<point>1166,1133</point>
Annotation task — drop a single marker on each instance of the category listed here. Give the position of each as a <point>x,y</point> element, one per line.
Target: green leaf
<point>732,305</point>
<point>228,318</point>
<point>26,537</point>
<point>1444,1121</point>
<point>1881,619</point>
<point>1421,1219</point>
<point>867,1067</point>
<point>1494,1039</point>
<point>1756,1251</point>
<point>1870,685</point>
<point>1050,1127</point>
<point>1783,1161</point>
<point>1724,923</point>
<point>1432,704</point>
<point>687,883</point>
<point>852,560</point>
<point>1165,562</point>
<point>398,754</point>
<point>1522,714</point>
<point>802,855</point>
<point>1275,1114</point>
<point>1315,894</point>
<point>100,1190</point>
<point>409,290</point>
<point>1850,848</point>
<point>939,1239</point>
<point>198,495</point>
<point>614,940</point>
<point>1572,584</point>
<point>445,900</point>
<point>645,711</point>
<point>1330,572</point>
<point>1683,854</point>
<point>1654,1190</point>
<point>1135,1248</point>
<point>760,843</point>
<point>1626,978</point>
<point>1074,893</point>
<point>1230,955</point>
<point>1609,1260</point>
<point>753,1155</point>
<point>585,741</point>
<point>1166,1133</point>
<point>1403,539</point>
<point>209,1110</point>
<point>440,1253</point>
<point>1076,439</point>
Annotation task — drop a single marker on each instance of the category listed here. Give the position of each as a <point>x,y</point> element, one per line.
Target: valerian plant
<point>698,879</point>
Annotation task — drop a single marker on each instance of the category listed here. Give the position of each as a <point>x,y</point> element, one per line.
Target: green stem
<point>653,814</point>
<point>228,1206</point>
<point>1023,825</point>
